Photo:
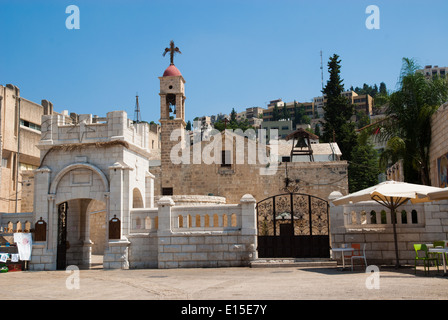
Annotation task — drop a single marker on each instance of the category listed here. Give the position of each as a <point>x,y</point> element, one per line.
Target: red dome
<point>172,71</point>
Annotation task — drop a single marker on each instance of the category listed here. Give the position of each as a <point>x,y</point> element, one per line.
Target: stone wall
<point>187,238</point>
<point>258,179</point>
<point>439,142</point>
<point>420,223</point>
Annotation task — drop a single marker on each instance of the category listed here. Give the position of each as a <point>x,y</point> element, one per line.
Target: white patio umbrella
<point>391,194</point>
<point>439,195</point>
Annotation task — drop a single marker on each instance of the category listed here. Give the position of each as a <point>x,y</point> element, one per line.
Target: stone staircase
<point>291,262</point>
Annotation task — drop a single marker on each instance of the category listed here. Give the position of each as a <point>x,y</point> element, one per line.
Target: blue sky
<point>235,54</point>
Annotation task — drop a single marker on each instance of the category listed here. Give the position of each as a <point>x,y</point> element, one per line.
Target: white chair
<point>360,256</point>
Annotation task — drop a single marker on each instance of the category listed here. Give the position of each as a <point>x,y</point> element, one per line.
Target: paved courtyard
<point>288,283</point>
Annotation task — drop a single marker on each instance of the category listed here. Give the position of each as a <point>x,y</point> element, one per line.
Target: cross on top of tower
<point>172,50</point>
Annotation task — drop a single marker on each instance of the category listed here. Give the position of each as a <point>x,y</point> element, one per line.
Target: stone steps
<point>291,262</point>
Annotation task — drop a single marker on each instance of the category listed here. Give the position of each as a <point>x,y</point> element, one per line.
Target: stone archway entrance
<point>74,230</point>
<point>293,225</point>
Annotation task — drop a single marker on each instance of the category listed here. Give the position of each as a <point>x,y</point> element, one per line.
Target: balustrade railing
<point>206,217</point>
<point>374,215</point>
<point>144,220</point>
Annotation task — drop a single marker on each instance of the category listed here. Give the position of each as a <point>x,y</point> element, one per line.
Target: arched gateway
<point>293,225</point>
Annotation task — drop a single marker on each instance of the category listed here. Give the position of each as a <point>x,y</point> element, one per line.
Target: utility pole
<point>137,116</point>
<point>321,70</point>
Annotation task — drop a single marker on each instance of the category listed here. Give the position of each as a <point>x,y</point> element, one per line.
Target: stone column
<point>116,254</point>
<point>164,214</point>
<point>164,231</point>
<point>249,226</point>
<point>41,186</point>
<point>149,189</point>
<point>52,222</point>
<point>116,193</point>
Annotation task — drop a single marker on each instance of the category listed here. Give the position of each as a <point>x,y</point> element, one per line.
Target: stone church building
<point>101,190</point>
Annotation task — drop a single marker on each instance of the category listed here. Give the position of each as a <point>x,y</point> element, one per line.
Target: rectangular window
<point>30,125</point>
<point>225,158</point>
<point>167,191</point>
<point>25,166</point>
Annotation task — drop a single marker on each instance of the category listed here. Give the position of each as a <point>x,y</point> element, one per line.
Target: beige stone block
<point>188,248</point>
<point>182,256</point>
<point>171,248</point>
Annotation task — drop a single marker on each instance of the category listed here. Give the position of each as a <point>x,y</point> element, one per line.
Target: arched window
<point>383,217</point>
<point>206,221</point>
<point>137,200</point>
<point>373,217</point>
<point>404,217</point>
<point>233,221</point>
<point>147,223</point>
<point>215,220</point>
<point>414,216</point>
<point>363,217</point>
<point>224,220</point>
<point>138,223</point>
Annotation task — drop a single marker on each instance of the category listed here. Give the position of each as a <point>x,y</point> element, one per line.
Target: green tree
<point>233,115</point>
<point>363,168</point>
<point>317,130</point>
<point>409,120</point>
<point>299,112</point>
<point>362,119</point>
<point>285,113</point>
<point>188,127</point>
<point>276,113</point>
<point>383,89</point>
<point>338,111</point>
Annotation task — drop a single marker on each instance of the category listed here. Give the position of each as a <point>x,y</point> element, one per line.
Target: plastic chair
<point>426,258</point>
<point>438,244</point>
<point>356,251</point>
<point>357,254</point>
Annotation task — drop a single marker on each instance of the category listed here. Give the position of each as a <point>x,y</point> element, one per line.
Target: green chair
<point>421,253</point>
<point>438,244</point>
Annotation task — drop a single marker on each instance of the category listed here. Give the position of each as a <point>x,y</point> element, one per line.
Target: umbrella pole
<point>394,217</point>
<point>393,204</point>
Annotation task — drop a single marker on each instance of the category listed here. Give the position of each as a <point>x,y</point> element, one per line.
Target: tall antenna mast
<point>137,117</point>
<point>321,70</point>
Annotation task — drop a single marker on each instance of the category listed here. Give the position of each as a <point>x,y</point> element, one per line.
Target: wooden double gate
<point>293,225</point>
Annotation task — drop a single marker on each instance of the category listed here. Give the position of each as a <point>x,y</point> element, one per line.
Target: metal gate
<point>61,254</point>
<point>293,225</point>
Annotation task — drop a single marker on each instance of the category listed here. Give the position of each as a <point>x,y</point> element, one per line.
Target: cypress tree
<point>338,111</point>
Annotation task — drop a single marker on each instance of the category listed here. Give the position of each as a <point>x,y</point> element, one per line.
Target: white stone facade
<point>100,171</point>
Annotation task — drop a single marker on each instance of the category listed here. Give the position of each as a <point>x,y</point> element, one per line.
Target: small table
<point>342,250</point>
<point>443,251</point>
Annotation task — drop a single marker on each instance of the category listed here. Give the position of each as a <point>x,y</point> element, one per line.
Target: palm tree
<point>408,125</point>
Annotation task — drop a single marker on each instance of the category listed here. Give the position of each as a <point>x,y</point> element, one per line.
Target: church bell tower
<point>172,117</point>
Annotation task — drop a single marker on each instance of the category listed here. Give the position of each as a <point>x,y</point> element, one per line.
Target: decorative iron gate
<point>293,225</point>
<point>61,258</point>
